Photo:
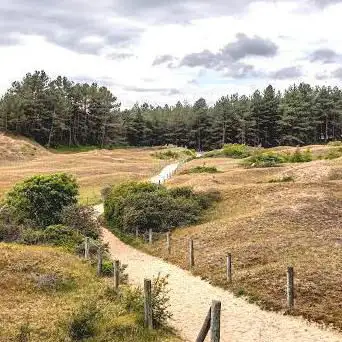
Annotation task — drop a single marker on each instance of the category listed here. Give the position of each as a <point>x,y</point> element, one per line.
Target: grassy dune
<point>43,287</point>
<point>93,169</point>
<point>268,226</point>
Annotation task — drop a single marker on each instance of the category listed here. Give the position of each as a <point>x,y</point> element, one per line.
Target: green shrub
<point>236,151</point>
<point>41,199</point>
<point>141,206</point>
<point>81,219</point>
<point>82,324</point>
<point>201,169</point>
<point>60,235</point>
<point>299,157</point>
<point>166,155</point>
<point>31,236</point>
<point>268,159</point>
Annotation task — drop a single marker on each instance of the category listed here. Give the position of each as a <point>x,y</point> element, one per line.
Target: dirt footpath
<point>190,298</point>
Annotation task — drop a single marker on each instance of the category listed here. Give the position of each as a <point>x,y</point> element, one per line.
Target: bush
<point>41,199</point>
<point>201,169</point>
<point>236,151</point>
<point>269,159</point>
<point>141,206</point>
<point>169,154</point>
<point>31,236</point>
<point>60,235</point>
<point>81,219</point>
<point>299,157</point>
<point>82,324</point>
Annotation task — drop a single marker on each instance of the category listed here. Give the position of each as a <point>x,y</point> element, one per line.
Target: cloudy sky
<point>164,50</point>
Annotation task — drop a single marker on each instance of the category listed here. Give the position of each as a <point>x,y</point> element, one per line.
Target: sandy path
<point>190,298</point>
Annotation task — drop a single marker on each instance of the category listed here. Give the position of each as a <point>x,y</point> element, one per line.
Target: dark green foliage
<point>299,157</point>
<point>30,236</point>
<point>201,169</point>
<point>58,112</point>
<point>142,206</point>
<point>40,199</point>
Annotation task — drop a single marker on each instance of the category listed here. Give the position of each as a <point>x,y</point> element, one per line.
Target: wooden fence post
<point>86,248</point>
<point>99,261</point>
<point>290,287</point>
<point>205,328</point>
<point>191,253</point>
<point>168,242</point>
<point>215,321</point>
<point>148,303</point>
<point>116,273</point>
<point>150,236</point>
<point>136,232</point>
<point>229,268</point>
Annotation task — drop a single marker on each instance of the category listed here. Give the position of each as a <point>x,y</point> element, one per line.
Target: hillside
<point>44,290</point>
<point>14,148</point>
<point>268,224</point>
<point>93,169</point>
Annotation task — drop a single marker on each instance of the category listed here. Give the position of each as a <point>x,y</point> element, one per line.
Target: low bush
<point>236,151</point>
<point>335,143</point>
<point>298,156</point>
<point>131,206</point>
<point>40,199</point>
<point>31,236</point>
<point>201,169</point>
<point>283,179</point>
<point>333,153</point>
<point>166,155</point>
<point>82,324</point>
<point>271,158</point>
<point>64,236</point>
<point>268,159</point>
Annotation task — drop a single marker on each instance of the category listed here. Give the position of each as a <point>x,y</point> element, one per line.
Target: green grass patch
<point>333,153</point>
<point>201,169</point>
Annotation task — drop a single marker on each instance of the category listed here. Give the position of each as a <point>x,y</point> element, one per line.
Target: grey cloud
<point>287,73</point>
<point>66,25</point>
<point>245,46</point>
<point>162,59</point>
<point>324,55</point>
<point>228,58</point>
<point>241,70</point>
<point>337,73</point>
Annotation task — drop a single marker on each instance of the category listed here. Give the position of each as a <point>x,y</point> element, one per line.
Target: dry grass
<point>28,300</point>
<point>17,149</point>
<point>267,227</point>
<point>93,170</point>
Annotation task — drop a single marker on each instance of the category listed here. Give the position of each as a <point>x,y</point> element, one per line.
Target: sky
<point>162,51</point>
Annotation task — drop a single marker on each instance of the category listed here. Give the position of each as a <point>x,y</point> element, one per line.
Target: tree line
<point>57,112</point>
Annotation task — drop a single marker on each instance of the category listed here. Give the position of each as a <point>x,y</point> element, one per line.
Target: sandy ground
<point>190,298</point>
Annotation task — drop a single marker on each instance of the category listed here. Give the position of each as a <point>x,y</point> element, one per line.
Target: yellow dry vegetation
<point>93,170</point>
<point>267,227</point>
<point>42,287</point>
<point>14,148</point>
